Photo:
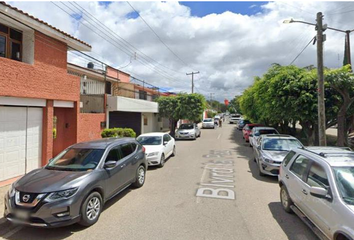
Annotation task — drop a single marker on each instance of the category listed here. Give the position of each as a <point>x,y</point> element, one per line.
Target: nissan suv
<point>317,183</point>
<point>74,186</point>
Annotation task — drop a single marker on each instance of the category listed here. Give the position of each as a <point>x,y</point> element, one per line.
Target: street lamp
<point>320,81</point>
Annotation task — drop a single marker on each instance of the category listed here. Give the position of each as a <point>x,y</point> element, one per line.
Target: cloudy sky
<point>228,43</point>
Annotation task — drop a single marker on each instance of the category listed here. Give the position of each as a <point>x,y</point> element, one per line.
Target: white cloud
<point>228,49</point>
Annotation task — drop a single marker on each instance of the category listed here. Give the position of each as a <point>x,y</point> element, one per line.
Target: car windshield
<point>271,144</point>
<point>186,126</point>
<point>208,120</point>
<point>76,159</point>
<point>150,140</point>
<point>345,183</point>
<point>252,126</point>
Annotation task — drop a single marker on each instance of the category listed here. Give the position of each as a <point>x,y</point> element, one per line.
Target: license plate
<point>22,215</point>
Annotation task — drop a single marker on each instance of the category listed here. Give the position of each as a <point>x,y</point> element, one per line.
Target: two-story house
<point>39,101</point>
<point>128,105</point>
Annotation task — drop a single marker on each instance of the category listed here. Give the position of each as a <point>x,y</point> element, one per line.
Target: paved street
<point>167,206</point>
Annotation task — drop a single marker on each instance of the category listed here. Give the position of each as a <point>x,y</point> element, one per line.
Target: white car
<point>158,147</point>
<point>234,118</point>
<point>208,123</point>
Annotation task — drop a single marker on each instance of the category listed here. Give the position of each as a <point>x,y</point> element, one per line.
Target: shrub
<point>118,132</point>
<point>211,114</point>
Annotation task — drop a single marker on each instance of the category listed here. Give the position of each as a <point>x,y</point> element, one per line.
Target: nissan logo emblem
<point>26,198</point>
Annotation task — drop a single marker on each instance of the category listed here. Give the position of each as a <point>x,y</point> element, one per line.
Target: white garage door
<point>20,140</point>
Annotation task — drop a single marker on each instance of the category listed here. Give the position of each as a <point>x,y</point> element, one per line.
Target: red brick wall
<point>47,133</point>
<point>47,78</point>
<point>89,126</point>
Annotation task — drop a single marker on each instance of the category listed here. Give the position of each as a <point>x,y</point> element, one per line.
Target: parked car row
<point>316,183</point>
<point>74,186</point>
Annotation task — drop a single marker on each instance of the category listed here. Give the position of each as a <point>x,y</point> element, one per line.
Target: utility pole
<point>192,73</point>
<point>347,42</point>
<point>211,98</point>
<point>321,104</point>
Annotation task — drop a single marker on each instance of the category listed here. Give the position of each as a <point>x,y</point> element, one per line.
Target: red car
<point>247,130</point>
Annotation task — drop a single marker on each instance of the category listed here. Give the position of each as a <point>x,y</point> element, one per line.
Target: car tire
<point>91,209</point>
<point>140,177</point>
<point>174,151</point>
<point>285,199</point>
<point>162,161</point>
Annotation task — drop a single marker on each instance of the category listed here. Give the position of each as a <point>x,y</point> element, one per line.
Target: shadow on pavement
<point>34,233</point>
<point>292,226</point>
<point>244,151</point>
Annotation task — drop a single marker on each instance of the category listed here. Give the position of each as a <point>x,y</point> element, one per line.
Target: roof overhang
<point>43,27</point>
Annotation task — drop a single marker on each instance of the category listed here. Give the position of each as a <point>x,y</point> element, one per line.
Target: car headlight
<point>268,160</point>
<point>12,191</point>
<point>61,195</point>
<point>153,154</point>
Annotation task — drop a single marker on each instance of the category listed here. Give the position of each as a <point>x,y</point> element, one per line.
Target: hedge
<point>118,132</point>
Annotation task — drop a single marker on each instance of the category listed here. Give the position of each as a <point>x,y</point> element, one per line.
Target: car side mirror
<point>259,147</point>
<point>165,143</point>
<point>110,164</point>
<point>319,192</point>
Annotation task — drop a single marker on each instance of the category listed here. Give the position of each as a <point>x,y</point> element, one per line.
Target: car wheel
<point>162,161</point>
<point>91,209</point>
<point>174,151</point>
<point>285,199</point>
<point>140,177</point>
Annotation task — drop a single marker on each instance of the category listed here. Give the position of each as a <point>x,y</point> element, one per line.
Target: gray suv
<point>317,183</point>
<point>74,185</point>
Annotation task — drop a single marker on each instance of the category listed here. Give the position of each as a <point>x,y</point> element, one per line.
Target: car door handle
<point>287,176</point>
<point>122,166</point>
<point>304,191</point>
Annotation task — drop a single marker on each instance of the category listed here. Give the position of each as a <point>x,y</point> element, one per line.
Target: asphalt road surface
<point>210,190</point>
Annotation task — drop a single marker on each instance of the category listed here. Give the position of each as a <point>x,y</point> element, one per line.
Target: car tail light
<point>143,149</point>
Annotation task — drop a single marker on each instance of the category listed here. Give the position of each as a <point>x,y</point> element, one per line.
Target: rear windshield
<point>208,120</point>
<point>186,126</point>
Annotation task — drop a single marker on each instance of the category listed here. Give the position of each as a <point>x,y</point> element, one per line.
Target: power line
<point>127,45</point>
<point>303,50</point>
<point>114,43</point>
<point>158,36</point>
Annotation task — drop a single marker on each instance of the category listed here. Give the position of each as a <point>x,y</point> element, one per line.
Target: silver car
<point>188,131</point>
<point>271,150</point>
<point>74,186</point>
<point>317,184</point>
<point>256,132</point>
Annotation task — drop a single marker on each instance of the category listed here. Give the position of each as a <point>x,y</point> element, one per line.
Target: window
<point>288,157</point>
<point>142,95</point>
<point>108,87</point>
<point>145,121</point>
<point>299,166</point>
<point>166,138</point>
<point>126,149</point>
<point>317,176</point>
<point>10,43</point>
<point>113,155</point>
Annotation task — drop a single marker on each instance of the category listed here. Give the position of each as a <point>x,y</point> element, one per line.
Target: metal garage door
<point>20,140</point>
<point>125,120</point>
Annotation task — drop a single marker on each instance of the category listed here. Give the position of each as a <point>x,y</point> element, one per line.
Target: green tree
<point>342,81</point>
<point>182,106</point>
